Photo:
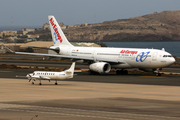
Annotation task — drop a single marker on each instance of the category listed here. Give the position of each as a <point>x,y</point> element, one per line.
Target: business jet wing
<point>36,77</point>
<point>40,78</point>
<point>45,78</point>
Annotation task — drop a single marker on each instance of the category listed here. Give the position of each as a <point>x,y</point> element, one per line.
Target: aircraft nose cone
<point>172,60</point>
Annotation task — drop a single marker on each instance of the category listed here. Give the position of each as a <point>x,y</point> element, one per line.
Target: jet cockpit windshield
<point>167,56</point>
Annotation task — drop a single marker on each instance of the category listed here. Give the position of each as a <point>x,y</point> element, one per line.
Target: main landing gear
<point>90,72</point>
<point>158,74</point>
<point>40,82</point>
<point>121,72</point>
<point>158,71</point>
<point>56,83</point>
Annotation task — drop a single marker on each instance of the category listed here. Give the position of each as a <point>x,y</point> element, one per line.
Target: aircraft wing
<point>56,49</point>
<point>40,78</point>
<point>73,57</point>
<point>35,77</point>
<point>70,57</point>
<point>44,78</point>
<point>21,76</point>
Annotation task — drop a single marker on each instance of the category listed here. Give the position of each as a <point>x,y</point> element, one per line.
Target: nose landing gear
<point>158,74</point>
<point>158,71</point>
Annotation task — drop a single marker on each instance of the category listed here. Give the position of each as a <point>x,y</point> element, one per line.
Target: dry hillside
<point>164,26</point>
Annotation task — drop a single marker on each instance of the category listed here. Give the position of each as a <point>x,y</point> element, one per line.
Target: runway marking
<point>80,112</point>
<point>153,76</point>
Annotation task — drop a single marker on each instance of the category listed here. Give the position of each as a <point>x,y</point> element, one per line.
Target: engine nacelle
<point>100,67</point>
<point>55,49</point>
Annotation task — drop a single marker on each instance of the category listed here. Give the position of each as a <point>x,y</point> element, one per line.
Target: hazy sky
<point>71,12</point>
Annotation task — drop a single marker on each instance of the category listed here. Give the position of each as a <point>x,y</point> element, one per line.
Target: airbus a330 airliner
<point>103,59</point>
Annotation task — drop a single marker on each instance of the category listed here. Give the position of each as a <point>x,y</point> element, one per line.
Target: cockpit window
<point>167,55</point>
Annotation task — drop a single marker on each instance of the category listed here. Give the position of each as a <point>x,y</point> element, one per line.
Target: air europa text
<point>129,52</point>
<point>55,29</point>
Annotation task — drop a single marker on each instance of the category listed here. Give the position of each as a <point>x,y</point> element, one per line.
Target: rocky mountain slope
<point>164,26</point>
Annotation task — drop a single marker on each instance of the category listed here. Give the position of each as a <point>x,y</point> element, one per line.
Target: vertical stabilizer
<point>59,39</point>
<point>70,71</point>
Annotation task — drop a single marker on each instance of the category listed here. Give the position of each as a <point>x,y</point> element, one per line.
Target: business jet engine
<point>100,67</point>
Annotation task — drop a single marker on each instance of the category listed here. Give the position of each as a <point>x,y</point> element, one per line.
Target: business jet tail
<point>59,39</point>
<point>70,71</point>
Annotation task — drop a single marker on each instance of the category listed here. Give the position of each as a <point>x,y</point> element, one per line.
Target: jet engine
<point>55,49</point>
<point>100,67</point>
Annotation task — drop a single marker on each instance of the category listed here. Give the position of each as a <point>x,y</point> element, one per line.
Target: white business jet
<point>49,75</point>
<point>103,59</point>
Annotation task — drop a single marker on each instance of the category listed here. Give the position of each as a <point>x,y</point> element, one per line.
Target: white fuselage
<point>132,57</point>
<point>48,75</point>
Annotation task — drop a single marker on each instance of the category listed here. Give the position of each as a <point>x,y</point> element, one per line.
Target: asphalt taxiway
<point>57,64</point>
<point>96,97</point>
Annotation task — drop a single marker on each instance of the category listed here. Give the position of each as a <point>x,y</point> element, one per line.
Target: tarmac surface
<point>90,97</point>
<point>173,68</point>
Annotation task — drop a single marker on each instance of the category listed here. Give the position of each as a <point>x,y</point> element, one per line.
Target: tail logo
<point>142,56</point>
<point>55,38</point>
<point>56,33</point>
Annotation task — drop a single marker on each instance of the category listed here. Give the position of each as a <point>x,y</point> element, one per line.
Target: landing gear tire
<point>118,72</point>
<point>40,84</point>
<point>90,72</point>
<point>125,72</point>
<point>56,83</point>
<point>32,83</point>
<point>122,72</point>
<point>158,74</point>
